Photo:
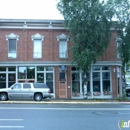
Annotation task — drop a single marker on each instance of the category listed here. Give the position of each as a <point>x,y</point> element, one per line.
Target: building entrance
<point>62,89</point>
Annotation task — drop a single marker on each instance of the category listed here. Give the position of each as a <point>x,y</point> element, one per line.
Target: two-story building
<point>39,51</point>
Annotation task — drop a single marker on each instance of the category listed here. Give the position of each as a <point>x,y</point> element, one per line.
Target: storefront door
<point>62,89</point>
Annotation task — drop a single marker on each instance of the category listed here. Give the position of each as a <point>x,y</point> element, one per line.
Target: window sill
<point>96,93</point>
<point>107,93</point>
<point>10,58</point>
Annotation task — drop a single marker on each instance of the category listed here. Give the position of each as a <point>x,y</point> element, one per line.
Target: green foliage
<point>89,24</point>
<point>123,17</point>
<point>123,98</point>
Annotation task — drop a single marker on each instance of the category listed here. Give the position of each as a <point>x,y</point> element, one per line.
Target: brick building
<point>38,51</point>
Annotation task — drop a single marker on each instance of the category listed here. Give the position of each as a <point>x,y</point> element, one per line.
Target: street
<point>63,116</point>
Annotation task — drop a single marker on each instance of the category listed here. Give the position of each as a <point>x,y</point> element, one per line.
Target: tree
<point>89,26</point>
<point>122,14</point>
<point>124,48</point>
<point>89,23</point>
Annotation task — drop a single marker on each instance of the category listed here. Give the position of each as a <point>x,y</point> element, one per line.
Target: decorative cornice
<point>62,37</point>
<point>12,36</point>
<point>37,36</point>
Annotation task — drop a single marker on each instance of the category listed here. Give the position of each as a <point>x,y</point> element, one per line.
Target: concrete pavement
<point>66,101</point>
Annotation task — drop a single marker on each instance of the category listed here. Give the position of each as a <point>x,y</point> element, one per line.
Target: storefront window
<point>74,69</point>
<point>2,80</point>
<point>95,68</point>
<point>26,72</point>
<point>12,69</point>
<point>40,77</point>
<point>30,72</point>
<point>11,79</point>
<point>106,83</point>
<point>49,81</point>
<point>2,68</point>
<point>105,68</point>
<point>22,73</point>
<point>75,84</point>
<point>40,68</point>
<point>96,83</point>
<point>49,68</point>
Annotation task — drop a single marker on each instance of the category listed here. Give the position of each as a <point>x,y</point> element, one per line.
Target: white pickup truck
<point>36,91</point>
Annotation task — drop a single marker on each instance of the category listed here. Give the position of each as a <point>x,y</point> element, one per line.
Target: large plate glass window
<point>96,83</point>
<point>49,81</point>
<point>75,76</point>
<point>26,72</point>
<point>45,75</point>
<point>106,80</point>
<point>2,80</point>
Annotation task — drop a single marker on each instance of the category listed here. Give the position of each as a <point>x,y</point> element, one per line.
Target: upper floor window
<point>37,45</point>
<point>12,45</point>
<point>63,46</point>
<point>118,42</point>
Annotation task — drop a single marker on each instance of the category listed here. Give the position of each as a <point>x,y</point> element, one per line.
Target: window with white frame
<point>63,49</point>
<point>37,45</point>
<point>37,50</point>
<point>12,45</point>
<point>63,45</point>
<point>118,42</point>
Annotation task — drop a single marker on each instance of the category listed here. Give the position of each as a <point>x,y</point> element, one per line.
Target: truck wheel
<point>3,97</point>
<point>38,97</point>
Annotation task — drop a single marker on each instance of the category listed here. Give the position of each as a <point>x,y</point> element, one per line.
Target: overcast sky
<point>29,9</point>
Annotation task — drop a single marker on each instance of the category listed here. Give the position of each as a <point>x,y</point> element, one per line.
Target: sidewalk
<point>66,101</point>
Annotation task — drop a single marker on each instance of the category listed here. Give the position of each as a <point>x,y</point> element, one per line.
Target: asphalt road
<point>63,116</point>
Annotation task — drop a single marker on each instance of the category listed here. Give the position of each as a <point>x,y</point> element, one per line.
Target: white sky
<point>29,9</point>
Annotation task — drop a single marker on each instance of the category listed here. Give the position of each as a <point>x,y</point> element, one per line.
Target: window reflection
<point>96,83</point>
<point>2,68</point>
<point>106,83</point>
<point>26,72</point>
<point>30,72</point>
<point>40,77</point>
<point>22,72</point>
<point>96,68</point>
<point>11,69</point>
<point>105,68</point>
<point>2,80</point>
<point>49,68</point>
<point>75,84</point>
<point>49,81</point>
<point>40,68</point>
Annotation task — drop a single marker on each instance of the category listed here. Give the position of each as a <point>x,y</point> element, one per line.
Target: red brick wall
<point>57,81</point>
<point>50,45</point>
<point>114,82</point>
<point>111,54</point>
<point>50,48</point>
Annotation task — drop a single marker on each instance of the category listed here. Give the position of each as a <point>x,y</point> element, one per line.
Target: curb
<point>62,102</point>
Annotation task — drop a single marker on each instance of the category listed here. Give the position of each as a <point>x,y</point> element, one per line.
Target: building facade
<point>39,51</point>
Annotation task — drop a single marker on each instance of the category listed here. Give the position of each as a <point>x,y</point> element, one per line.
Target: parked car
<point>36,91</point>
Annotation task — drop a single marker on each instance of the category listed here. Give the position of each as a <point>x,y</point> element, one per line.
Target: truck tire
<point>3,96</point>
<point>38,97</point>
